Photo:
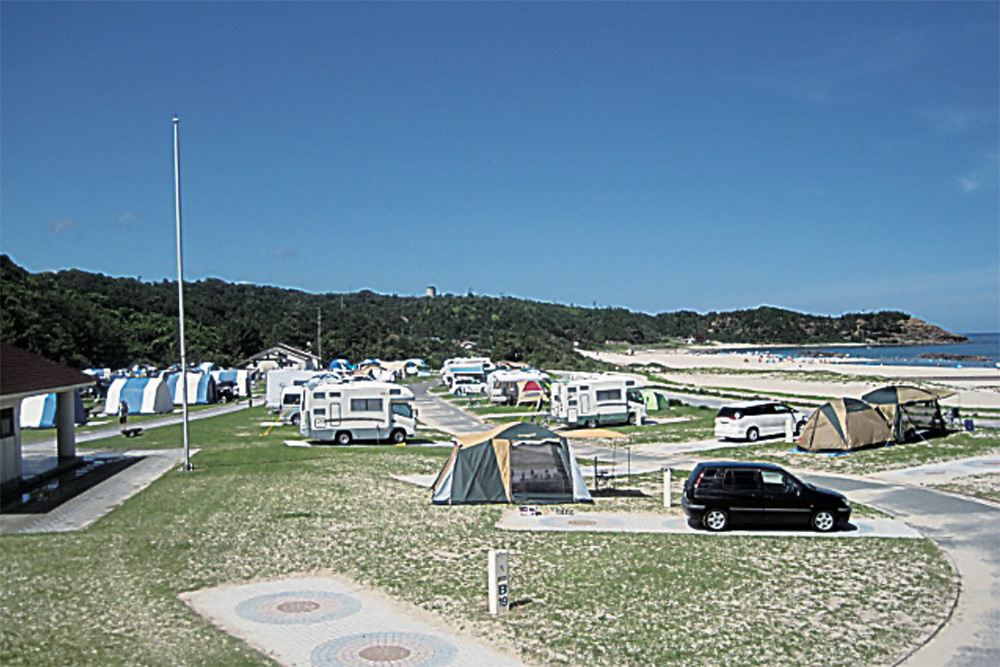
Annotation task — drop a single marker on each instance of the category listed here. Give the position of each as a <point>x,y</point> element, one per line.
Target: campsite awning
<point>904,394</point>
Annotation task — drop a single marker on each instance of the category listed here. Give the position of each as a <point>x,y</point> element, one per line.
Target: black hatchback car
<point>722,494</point>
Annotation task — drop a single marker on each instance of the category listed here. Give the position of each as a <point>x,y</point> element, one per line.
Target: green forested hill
<point>86,319</point>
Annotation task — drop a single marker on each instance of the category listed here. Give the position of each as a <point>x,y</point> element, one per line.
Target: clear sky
<point>819,156</point>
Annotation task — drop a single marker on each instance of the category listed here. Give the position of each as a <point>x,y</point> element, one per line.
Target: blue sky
<point>825,157</point>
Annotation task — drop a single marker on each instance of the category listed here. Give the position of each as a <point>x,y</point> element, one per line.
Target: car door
<point>741,494</point>
<point>782,503</point>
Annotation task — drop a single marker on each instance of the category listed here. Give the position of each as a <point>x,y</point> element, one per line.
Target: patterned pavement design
<point>634,522</point>
<point>328,621</point>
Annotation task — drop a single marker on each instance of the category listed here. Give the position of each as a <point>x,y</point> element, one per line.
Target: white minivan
<point>751,421</point>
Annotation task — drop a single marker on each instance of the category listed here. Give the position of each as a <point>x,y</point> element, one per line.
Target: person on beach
<point>122,413</point>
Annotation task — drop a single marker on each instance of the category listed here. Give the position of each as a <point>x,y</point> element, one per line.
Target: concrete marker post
<point>789,429</point>
<point>499,581</point>
<point>667,492</point>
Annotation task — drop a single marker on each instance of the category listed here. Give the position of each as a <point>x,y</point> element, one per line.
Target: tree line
<point>91,320</point>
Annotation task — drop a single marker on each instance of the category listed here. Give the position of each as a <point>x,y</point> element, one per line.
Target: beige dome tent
<point>844,424</point>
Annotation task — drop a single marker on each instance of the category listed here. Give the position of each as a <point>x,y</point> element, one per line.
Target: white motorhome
<point>280,378</point>
<point>344,412</point>
<point>472,370</point>
<point>594,399</point>
<point>291,404</point>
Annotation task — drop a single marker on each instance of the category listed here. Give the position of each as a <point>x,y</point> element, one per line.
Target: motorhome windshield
<point>402,409</point>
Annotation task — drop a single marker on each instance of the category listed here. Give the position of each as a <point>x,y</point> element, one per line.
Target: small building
<point>25,374</point>
<point>282,356</point>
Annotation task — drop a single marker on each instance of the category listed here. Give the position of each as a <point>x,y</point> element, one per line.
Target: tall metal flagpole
<point>180,289</point>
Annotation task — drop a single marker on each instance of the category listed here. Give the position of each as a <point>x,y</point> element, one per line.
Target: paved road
<point>442,416</point>
<point>48,446</point>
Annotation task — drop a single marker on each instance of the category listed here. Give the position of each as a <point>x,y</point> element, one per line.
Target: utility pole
<point>180,290</point>
<point>319,335</point>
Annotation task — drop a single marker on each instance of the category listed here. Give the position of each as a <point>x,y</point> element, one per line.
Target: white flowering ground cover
<point>253,508</point>
<point>982,485</point>
<point>868,461</point>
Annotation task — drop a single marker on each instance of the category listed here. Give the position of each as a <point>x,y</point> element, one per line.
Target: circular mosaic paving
<point>402,649</point>
<point>297,607</point>
<point>581,522</point>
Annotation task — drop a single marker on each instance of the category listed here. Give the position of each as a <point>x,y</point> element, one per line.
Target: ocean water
<point>979,345</point>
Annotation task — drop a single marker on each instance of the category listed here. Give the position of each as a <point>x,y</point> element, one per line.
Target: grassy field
<point>253,508</point>
<point>868,461</point>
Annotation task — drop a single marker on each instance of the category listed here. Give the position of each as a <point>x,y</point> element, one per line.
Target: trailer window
<point>366,405</point>
<point>604,395</point>
<point>6,422</point>
<point>319,394</point>
<point>402,409</point>
<point>395,392</point>
<point>319,412</point>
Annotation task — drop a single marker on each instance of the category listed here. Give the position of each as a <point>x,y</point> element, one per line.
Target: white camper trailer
<point>280,378</point>
<point>344,412</point>
<point>590,400</point>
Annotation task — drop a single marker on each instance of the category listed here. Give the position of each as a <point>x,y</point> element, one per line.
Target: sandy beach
<point>752,370</point>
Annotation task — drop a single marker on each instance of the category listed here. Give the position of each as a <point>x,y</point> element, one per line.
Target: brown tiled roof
<point>25,373</point>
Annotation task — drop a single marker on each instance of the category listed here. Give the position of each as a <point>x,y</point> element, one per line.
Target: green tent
<point>654,399</point>
<point>513,463</point>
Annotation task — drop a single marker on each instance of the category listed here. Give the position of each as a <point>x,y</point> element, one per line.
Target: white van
<point>344,412</point>
<point>591,400</point>
<point>756,419</point>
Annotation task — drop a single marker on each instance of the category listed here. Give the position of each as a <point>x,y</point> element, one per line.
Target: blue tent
<point>40,411</point>
<point>341,365</point>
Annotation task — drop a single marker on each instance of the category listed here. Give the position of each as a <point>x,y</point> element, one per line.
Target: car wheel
<point>715,520</point>
<point>633,419</point>
<point>398,436</point>
<point>798,428</point>
<point>591,423</point>
<point>753,434</point>
<point>296,419</point>
<point>343,438</point>
<point>824,521</point>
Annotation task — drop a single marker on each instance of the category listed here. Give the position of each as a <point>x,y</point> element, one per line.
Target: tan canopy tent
<point>909,409</point>
<point>844,424</point>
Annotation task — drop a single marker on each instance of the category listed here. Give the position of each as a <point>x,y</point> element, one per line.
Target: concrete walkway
<point>329,620</point>
<point>83,510</point>
<point>638,522</point>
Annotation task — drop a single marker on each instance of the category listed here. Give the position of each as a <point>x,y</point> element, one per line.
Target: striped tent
<point>144,396</point>
<point>200,388</point>
<point>40,411</point>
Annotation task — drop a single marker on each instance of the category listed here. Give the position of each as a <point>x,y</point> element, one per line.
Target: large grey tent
<point>909,409</point>
<point>513,463</point>
<point>844,424</point>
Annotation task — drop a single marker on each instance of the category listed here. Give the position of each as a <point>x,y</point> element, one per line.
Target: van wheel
<point>590,423</point>
<point>296,419</point>
<point>343,438</point>
<point>398,436</point>
<point>824,521</point>
<point>753,434</point>
<point>715,520</point>
<point>633,419</point>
